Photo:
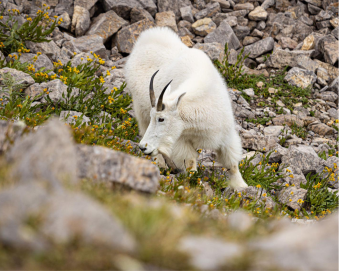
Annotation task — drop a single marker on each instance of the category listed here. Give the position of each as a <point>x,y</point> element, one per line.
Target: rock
<point>139,14</point>
<point>328,96</point>
<point>3,58</point>
<point>282,248</point>
<point>42,61</point>
<point>321,129</point>
<point>166,18</point>
<point>187,41</point>
<point>249,40</point>
<point>80,21</point>
<point>224,4</point>
<point>47,155</point>
<point>21,79</point>
<point>332,71</point>
<point>304,62</point>
<point>257,142</point>
<point>291,195</point>
<point>245,6</point>
<point>123,7</point>
<point>106,25</point>
<point>258,14</point>
<point>255,194</point>
<point>203,27</point>
<point>281,58</point>
<point>249,92</point>
<point>89,4</point>
<point>85,217</point>
<point>335,32</point>
<point>300,78</point>
<point>287,120</point>
<point>10,132</point>
<point>105,165</point>
<point>267,3</point>
<point>273,130</point>
<point>219,17</point>
<point>209,254</point>
<point>302,158</point>
<point>66,21</point>
<point>214,50</point>
<point>288,43</point>
<point>173,5</point>
<point>127,36</point>
<point>240,221</point>
<point>223,34</point>
<point>57,89</point>
<point>241,31</point>
<point>334,85</point>
<point>63,216</point>
<point>259,48</point>
<point>186,14</point>
<point>333,113</point>
<point>86,44</point>
<point>210,10</point>
<point>328,45</point>
<point>49,49</point>
<point>70,117</point>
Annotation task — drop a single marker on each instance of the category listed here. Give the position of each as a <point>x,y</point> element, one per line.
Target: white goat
<point>195,112</point>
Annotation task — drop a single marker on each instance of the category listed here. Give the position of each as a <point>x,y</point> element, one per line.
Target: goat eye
<point>161,119</point>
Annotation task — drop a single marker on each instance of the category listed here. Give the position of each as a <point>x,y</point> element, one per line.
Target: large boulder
<point>81,21</point>
<point>300,77</point>
<point>20,78</point>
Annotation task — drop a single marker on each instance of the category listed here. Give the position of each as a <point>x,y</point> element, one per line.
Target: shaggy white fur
<point>202,118</point>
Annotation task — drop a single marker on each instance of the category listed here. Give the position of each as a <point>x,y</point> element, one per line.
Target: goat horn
<point>151,90</point>
<point>159,105</point>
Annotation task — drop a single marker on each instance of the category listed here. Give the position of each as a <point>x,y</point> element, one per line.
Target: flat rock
<point>106,165</point>
<point>21,79</point>
<point>257,142</point>
<point>303,158</point>
<point>321,129</point>
<point>106,25</point>
<point>223,34</point>
<point>328,45</point>
<point>286,42</point>
<point>291,195</point>
<point>245,6</point>
<point>259,48</point>
<point>300,77</point>
<point>211,9</point>
<point>127,36</point>
<point>123,7</point>
<point>287,120</point>
<point>281,58</point>
<point>50,49</point>
<point>329,96</point>
<point>56,89</point>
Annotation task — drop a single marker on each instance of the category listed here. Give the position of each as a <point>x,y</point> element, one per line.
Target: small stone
<point>321,129</point>
<point>258,14</point>
<point>273,130</point>
<point>187,41</point>
<point>210,10</point>
<point>203,27</point>
<point>166,18</point>
<point>272,90</point>
<point>246,6</point>
<point>259,48</point>
<point>249,92</point>
<point>214,50</point>
<point>286,42</point>
<point>287,120</point>
<point>249,40</point>
<point>186,14</point>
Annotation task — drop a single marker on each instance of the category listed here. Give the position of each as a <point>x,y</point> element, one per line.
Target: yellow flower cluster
<point>41,74</point>
<point>31,68</point>
<point>63,79</point>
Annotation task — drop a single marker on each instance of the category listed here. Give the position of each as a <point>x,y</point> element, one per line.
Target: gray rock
<point>70,117</point>
<point>317,3</point>
<point>302,158</point>
<point>173,5</point>
<point>219,17</point>
<point>86,44</point>
<point>21,79</point>
<point>300,78</point>
<point>47,155</point>
<point>214,50</point>
<point>333,113</point>
<point>286,42</point>
<point>335,32</point>
<point>328,96</point>
<point>106,165</point>
<point>273,130</point>
<point>127,36</point>
<point>245,6</point>
<point>258,14</point>
<point>86,216</point>
<point>321,129</point>
<point>282,248</point>
<point>210,10</point>
<point>240,221</point>
<point>224,4</point>
<point>328,45</point>
<point>186,14</point>
<point>259,48</point>
<point>166,19</point>
<point>291,195</point>
<point>80,21</point>
<point>288,120</point>
<point>306,63</point>
<point>106,25</point>
<point>81,58</point>
<point>9,132</point>
<point>241,31</point>
<point>209,254</point>
<point>334,85</point>
<point>267,3</point>
<point>123,7</point>
<point>257,142</point>
<point>89,4</point>
<point>249,92</point>
<point>223,34</point>
<point>261,25</point>
<point>66,21</point>
<point>49,49</point>
<point>42,61</point>
<point>139,14</point>
<point>57,89</point>
<point>203,27</point>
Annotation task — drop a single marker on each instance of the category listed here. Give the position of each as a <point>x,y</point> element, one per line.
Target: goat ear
<point>179,99</point>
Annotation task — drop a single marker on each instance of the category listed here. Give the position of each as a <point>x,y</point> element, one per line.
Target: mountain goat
<point>193,110</point>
